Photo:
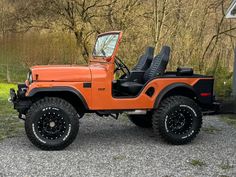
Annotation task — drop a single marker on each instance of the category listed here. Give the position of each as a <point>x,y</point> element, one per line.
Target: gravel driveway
<point>106,147</point>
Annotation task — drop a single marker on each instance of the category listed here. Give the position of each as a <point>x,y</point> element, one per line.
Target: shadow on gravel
<point>124,135</point>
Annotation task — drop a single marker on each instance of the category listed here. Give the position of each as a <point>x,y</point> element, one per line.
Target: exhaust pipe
<point>137,112</point>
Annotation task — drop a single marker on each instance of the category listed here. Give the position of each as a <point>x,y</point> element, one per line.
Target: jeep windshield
<point>105,45</point>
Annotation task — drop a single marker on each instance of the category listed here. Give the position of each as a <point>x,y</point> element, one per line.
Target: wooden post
<point>234,76</point>
<point>234,84</point>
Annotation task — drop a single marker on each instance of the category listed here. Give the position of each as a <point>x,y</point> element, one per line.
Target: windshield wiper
<point>103,52</point>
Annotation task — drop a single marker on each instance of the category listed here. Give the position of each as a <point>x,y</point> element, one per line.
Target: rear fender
<point>175,89</point>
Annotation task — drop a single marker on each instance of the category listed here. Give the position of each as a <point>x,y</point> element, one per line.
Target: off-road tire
<point>48,109</point>
<point>144,121</point>
<point>170,111</point>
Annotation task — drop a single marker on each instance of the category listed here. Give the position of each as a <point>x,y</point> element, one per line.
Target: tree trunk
<point>159,18</point>
<point>234,77</point>
<point>8,75</point>
<point>81,46</point>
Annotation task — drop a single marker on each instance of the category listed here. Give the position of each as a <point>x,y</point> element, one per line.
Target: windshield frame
<point>232,7</point>
<point>107,58</point>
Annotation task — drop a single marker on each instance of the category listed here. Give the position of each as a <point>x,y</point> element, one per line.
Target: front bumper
<point>19,100</point>
<point>13,96</point>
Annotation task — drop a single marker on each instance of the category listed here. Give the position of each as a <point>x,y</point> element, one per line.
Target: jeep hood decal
<point>61,73</point>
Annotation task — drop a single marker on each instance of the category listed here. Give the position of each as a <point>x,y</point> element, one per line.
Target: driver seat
<point>142,65</point>
<point>157,68</point>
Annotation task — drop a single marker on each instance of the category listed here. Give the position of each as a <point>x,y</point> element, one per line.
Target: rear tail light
<point>205,94</point>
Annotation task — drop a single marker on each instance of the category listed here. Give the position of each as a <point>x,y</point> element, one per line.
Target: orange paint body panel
<point>99,96</point>
<point>102,91</point>
<point>68,73</point>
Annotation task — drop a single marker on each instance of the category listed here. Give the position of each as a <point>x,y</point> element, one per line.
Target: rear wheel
<point>51,123</point>
<point>178,120</point>
<point>144,121</point>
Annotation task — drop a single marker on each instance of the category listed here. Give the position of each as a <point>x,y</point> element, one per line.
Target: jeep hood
<point>61,73</point>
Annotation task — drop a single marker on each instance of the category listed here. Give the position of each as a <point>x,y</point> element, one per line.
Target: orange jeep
<point>54,98</point>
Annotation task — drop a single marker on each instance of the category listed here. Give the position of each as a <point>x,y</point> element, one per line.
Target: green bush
<point>223,81</point>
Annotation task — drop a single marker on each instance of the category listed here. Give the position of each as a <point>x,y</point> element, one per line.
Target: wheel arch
<point>69,94</point>
<point>176,89</point>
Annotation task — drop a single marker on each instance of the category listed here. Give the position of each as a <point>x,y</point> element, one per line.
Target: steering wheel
<point>120,66</point>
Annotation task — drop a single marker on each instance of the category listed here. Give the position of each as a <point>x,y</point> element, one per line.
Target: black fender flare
<point>34,91</point>
<point>169,88</point>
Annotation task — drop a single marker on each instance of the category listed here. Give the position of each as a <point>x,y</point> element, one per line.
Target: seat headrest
<point>149,52</point>
<point>165,51</point>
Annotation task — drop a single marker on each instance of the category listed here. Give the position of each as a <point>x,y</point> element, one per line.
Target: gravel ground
<point>106,147</point>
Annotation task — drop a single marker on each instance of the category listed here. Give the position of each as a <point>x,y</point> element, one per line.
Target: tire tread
<point>158,118</point>
<point>54,101</point>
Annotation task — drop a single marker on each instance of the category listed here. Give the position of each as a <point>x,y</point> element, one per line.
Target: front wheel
<point>178,120</point>
<point>51,123</point>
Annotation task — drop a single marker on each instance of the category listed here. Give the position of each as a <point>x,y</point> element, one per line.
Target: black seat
<point>158,65</point>
<point>142,65</point>
<point>145,60</point>
<point>157,68</point>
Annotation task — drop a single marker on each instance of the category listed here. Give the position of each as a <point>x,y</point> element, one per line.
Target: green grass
<point>10,125</point>
<point>119,157</point>
<point>5,106</point>
<point>229,119</point>
<point>225,165</point>
<point>211,130</point>
<point>197,162</point>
